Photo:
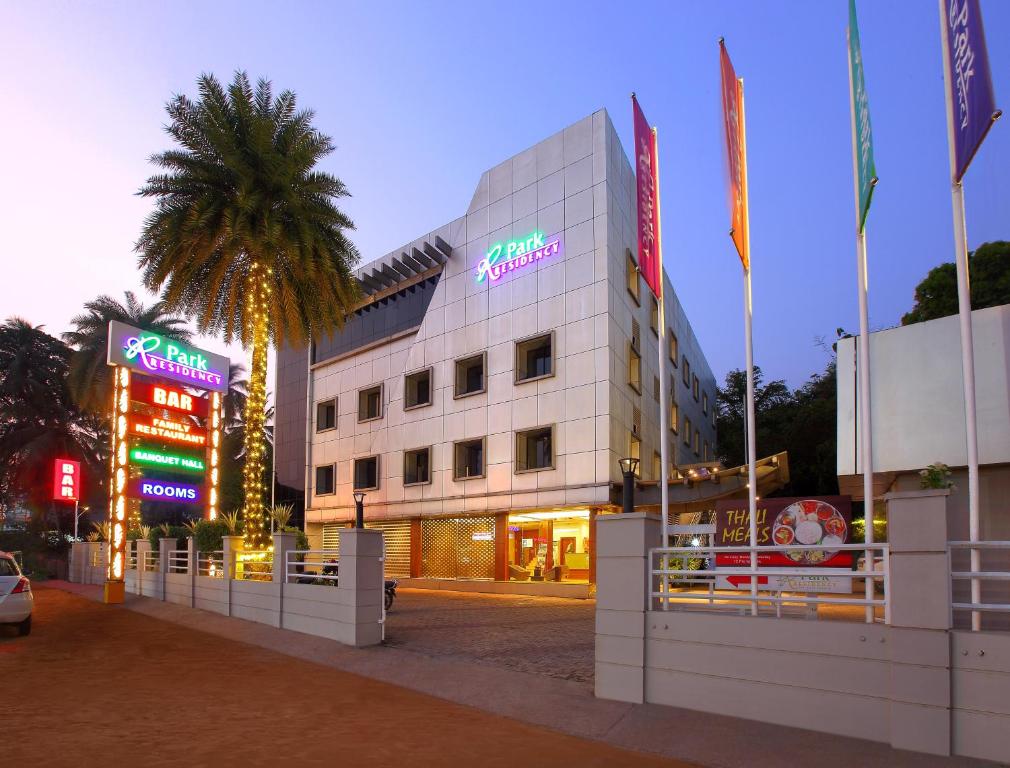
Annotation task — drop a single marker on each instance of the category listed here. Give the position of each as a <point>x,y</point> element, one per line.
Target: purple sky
<point>422,97</point>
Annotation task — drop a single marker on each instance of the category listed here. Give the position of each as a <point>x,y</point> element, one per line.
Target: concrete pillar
<point>361,582</point>
<point>78,556</point>
<point>164,547</point>
<point>283,543</point>
<point>143,547</point>
<point>230,547</point>
<point>192,568</point>
<point>919,635</point>
<point>622,599</point>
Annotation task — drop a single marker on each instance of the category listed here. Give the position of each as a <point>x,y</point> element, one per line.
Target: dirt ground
<point>102,685</point>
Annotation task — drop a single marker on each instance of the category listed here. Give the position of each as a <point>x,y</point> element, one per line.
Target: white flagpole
<point>748,310</point>
<point>964,316</point>
<point>866,436</point>
<point>664,491</point>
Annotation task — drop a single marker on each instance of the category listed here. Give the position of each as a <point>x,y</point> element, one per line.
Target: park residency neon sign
<point>510,255</point>
<point>149,353</point>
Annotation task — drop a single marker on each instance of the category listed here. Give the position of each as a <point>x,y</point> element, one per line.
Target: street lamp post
<point>359,509</point>
<point>629,467</point>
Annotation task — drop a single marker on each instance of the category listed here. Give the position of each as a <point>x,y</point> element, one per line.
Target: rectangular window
<point>417,389</point>
<point>366,473</point>
<point>635,452</point>
<point>686,370</point>
<point>632,268</point>
<point>634,370</point>
<point>468,459</point>
<point>674,347</point>
<point>654,316</point>
<point>695,388</point>
<point>470,376</point>
<point>417,466</point>
<point>326,415</point>
<point>674,415</point>
<point>704,403</point>
<point>655,388</point>
<point>708,452</point>
<point>324,479</point>
<point>697,442</point>
<point>657,465</point>
<point>687,431</point>
<point>370,403</point>
<point>535,358</point>
<point>535,449</point>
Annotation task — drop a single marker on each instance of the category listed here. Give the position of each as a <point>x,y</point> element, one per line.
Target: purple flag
<point>972,103</point>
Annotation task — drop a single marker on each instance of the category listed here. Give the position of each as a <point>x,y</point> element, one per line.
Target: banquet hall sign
<point>807,521</point>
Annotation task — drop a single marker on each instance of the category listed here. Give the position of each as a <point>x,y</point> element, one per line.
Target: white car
<point>16,597</point>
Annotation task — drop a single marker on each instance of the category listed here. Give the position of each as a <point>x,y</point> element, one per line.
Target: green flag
<point>862,135</point>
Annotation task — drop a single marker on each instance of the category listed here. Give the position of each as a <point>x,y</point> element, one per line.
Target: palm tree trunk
<point>254,512</point>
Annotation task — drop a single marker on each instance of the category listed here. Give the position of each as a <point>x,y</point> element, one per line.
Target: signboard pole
<point>664,488</point>
<point>76,504</point>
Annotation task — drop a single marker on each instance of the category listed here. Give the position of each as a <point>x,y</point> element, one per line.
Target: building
<point>497,369</point>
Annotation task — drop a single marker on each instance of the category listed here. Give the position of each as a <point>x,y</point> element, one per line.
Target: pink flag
<point>648,201</point>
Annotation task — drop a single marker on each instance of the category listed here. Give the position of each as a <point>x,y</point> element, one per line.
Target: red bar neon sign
<point>66,480</point>
<point>172,398</point>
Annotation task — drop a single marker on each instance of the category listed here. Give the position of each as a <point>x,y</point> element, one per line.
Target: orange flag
<point>736,153</point>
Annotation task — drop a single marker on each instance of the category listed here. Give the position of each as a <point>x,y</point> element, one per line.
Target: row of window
<point>534,452</point>
<point>534,360</point>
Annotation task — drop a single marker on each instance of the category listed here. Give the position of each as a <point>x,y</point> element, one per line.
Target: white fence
<point>989,583</point>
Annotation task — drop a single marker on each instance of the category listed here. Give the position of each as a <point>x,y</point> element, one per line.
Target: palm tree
<point>246,237</point>
<point>89,373</point>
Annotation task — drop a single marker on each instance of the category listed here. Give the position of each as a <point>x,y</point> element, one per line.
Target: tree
<point>88,377</point>
<point>936,295</point>
<point>246,237</point>
<point>769,403</point>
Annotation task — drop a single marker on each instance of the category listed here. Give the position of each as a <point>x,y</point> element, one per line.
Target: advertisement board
<point>148,353</point>
<point>66,480</point>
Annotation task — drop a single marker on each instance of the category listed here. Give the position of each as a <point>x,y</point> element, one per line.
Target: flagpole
<point>964,318</point>
<point>664,490</point>
<point>748,310</point>
<point>862,277</point>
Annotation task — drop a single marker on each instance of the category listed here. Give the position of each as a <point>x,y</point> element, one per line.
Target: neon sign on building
<point>510,255</point>
<point>163,490</point>
<point>150,457</point>
<point>171,431</point>
<point>146,352</point>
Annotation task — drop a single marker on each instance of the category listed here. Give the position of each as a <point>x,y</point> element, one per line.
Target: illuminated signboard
<point>66,480</point>
<point>510,255</point>
<point>151,457</point>
<point>169,430</point>
<point>164,490</point>
<point>149,353</point>
<point>172,398</point>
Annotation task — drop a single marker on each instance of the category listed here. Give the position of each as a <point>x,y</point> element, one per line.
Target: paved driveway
<point>546,636</point>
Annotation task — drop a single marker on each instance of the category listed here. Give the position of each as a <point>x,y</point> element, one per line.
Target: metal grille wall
<point>457,548</point>
<point>396,534</point>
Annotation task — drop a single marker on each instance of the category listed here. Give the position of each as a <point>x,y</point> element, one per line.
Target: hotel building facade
<point>494,373</point>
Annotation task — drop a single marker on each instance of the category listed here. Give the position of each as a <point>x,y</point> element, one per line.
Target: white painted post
<point>361,583</point>
<point>192,566</point>
<point>165,547</point>
<point>143,547</point>
<point>231,546</point>
<point>283,543</point>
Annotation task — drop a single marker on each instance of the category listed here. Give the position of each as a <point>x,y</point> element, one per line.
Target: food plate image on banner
<point>822,520</point>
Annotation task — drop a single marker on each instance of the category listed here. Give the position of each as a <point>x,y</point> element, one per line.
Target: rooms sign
<point>510,255</point>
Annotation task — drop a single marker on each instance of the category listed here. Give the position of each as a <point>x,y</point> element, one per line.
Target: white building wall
<point>577,183</point>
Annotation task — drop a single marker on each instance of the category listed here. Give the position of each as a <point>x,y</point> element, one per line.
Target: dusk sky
<point>420,98</point>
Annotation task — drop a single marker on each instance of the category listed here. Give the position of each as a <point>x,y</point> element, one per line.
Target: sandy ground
<point>101,685</point>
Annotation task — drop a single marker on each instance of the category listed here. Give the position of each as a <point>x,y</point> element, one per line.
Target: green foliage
<point>301,539</point>
<point>936,295</point>
<point>208,535</point>
<point>802,422</point>
<point>166,531</point>
<point>936,476</point>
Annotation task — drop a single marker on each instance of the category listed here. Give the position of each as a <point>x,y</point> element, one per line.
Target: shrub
<point>209,535</point>
<point>166,531</point>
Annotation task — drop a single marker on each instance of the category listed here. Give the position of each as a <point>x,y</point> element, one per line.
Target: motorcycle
<point>331,570</point>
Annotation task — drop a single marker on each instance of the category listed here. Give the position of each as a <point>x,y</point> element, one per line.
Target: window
<point>695,389</point>
<point>674,347</point>
<point>469,376</point>
<point>655,388</point>
<point>654,316</point>
<point>324,479</point>
<point>657,465</point>
<point>366,473</point>
<point>634,370</point>
<point>535,449</point>
<point>704,403</point>
<point>635,452</point>
<point>535,358</point>
<point>687,431</point>
<point>326,415</point>
<point>636,335</point>
<point>370,403</point>
<point>417,466</point>
<point>468,459</point>
<point>674,415</point>
<point>697,442</point>
<point>632,267</point>
<point>708,452</point>
<point>417,389</point>
<point>686,370</point>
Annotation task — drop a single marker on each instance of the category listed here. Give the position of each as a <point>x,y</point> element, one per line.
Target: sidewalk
<point>564,706</point>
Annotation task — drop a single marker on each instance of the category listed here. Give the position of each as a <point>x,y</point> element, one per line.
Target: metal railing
<point>776,591</point>
<point>312,566</point>
<point>254,566</point>
<point>178,561</point>
<point>99,557</point>
<point>131,559</point>
<point>976,575</point>
<point>151,560</point>
<point>210,564</point>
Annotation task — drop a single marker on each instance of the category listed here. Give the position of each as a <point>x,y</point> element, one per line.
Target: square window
<point>468,459</point>
<point>687,431</point>
<point>470,376</point>
<point>535,449</point>
<point>632,269</point>
<point>417,389</point>
<point>535,358</point>
<point>324,479</point>
<point>417,466</point>
<point>366,473</point>
<point>634,370</point>
<point>704,403</point>
<point>326,415</point>
<point>674,347</point>
<point>654,316</point>
<point>370,403</point>
<point>695,389</point>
